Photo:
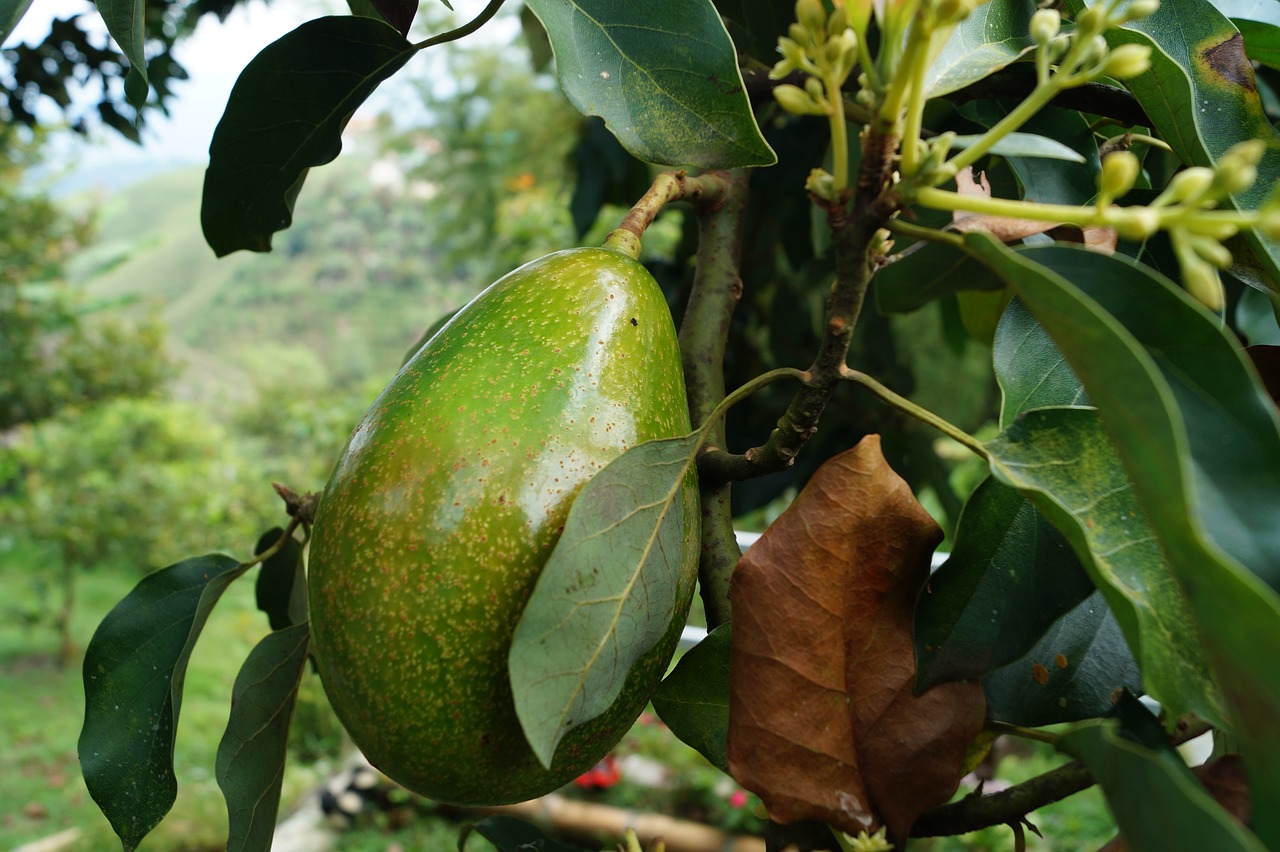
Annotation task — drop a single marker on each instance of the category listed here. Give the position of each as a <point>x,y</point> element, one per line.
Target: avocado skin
<point>450,497</point>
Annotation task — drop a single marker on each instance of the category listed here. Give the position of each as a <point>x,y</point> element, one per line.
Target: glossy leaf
<point>126,22</point>
<point>133,674</point>
<point>1074,672</point>
<point>1045,181</point>
<point>693,700</point>
<point>1133,775</point>
<point>251,755</point>
<point>1009,577</point>
<point>994,34</point>
<point>1029,368</point>
<point>609,592</point>
<point>1201,96</point>
<point>508,834</point>
<point>285,115</point>
<point>1024,145</point>
<point>281,588</point>
<point>1201,442</point>
<point>1062,459</point>
<point>823,721</point>
<point>671,62</point>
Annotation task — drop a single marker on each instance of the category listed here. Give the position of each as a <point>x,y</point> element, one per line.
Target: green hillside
<point>348,288</point>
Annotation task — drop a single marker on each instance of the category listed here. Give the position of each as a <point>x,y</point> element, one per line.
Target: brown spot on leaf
<point>1040,674</point>
<point>1060,661</point>
<point>823,720</point>
<point>1227,60</point>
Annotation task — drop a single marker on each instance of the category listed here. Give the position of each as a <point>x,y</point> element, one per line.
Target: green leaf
<point>133,673</point>
<point>693,700</point>
<point>1048,182</point>
<point>611,590</point>
<point>921,273</point>
<point>125,20</point>
<point>1029,367</point>
<point>1134,775</point>
<point>1061,459</point>
<point>755,25</point>
<point>508,834</point>
<point>11,11</point>
<point>1201,442</point>
<point>1009,577</point>
<point>281,588</point>
<point>1201,96</point>
<point>397,13</point>
<point>1074,672</point>
<point>1261,42</point>
<point>1024,145</point>
<point>250,763</point>
<point>995,34</point>
<point>285,115</point>
<point>664,76</point>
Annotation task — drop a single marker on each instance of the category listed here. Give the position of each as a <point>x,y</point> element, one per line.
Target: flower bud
<point>1139,9</point>
<point>1214,229</point>
<point>838,22</point>
<point>1202,282</point>
<point>799,34</point>
<point>822,184</point>
<point>1045,24</point>
<point>1190,185</point>
<point>1091,21</point>
<point>1119,172</point>
<point>796,101</point>
<point>1126,61</point>
<point>1137,223</point>
<point>1237,168</point>
<point>811,15</point>
<point>1210,249</point>
<point>813,88</point>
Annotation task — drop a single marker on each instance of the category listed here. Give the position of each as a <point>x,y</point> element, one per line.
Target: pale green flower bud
<point>1211,250</point>
<point>1095,52</point>
<point>1119,172</point>
<point>1214,229</point>
<point>796,101</point>
<point>799,33</point>
<point>1190,185</point>
<point>1139,9</point>
<point>1237,169</point>
<point>1137,223</point>
<point>821,184</point>
<point>1202,282</point>
<point>1092,21</point>
<point>848,41</point>
<point>1269,225</point>
<point>814,89</point>
<point>1045,24</point>
<point>1126,61</point>
<point>792,59</point>
<point>838,22</point>
<point>811,15</point>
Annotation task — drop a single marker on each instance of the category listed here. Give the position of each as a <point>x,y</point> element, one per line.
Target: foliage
<point>1057,189</point>
<point>56,353</point>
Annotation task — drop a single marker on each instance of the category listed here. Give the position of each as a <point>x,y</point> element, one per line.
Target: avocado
<point>450,497</point>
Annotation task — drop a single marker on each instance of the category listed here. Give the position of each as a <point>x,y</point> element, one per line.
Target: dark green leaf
<point>285,115</point>
<point>995,34</point>
<point>508,834</point>
<point>1201,96</point>
<point>250,765</point>
<point>282,582</point>
<point>1201,443</point>
<point>693,700</point>
<point>1074,672</point>
<point>755,25</point>
<point>1134,776</point>
<point>664,77</point>
<point>397,13</point>
<point>133,673</point>
<point>929,272</point>
<point>1010,576</point>
<point>611,590</point>
<point>1261,41</point>
<point>535,37</point>
<point>126,22</point>
<point>11,11</point>
<point>1029,368</point>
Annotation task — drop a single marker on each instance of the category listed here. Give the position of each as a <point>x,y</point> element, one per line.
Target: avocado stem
<point>667,188</point>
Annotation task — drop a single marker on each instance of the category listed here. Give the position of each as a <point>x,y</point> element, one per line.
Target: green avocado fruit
<point>450,497</point>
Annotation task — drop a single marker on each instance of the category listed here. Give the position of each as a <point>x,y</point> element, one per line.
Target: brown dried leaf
<point>822,720</point>
<point>1003,228</point>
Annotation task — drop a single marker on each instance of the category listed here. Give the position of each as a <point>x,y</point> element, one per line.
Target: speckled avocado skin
<point>450,497</point>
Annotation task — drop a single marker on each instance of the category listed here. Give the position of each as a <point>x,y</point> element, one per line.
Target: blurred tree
<point>52,353</point>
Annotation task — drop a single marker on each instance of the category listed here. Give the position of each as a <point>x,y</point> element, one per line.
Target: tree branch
<point>704,333</point>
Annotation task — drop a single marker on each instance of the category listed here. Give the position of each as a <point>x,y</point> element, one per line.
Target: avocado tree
<point>1065,221</point>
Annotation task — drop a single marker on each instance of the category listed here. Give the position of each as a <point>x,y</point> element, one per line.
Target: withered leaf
<point>1007,229</point>
<point>823,723</point>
